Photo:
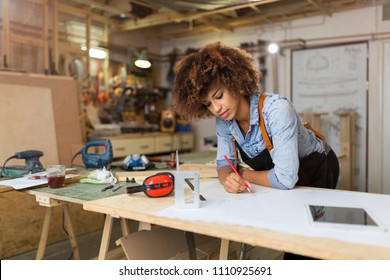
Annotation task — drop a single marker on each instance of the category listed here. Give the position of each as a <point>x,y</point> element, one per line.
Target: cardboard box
<point>162,243</point>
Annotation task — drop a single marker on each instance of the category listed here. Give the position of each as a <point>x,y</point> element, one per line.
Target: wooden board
<point>66,104</point>
<point>19,209</point>
<point>22,219</point>
<point>27,115</point>
<point>206,171</point>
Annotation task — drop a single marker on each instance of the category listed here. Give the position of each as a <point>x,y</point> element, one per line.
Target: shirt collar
<point>254,105</point>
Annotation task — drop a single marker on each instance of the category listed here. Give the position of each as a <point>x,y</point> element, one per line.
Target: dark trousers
<point>326,175</point>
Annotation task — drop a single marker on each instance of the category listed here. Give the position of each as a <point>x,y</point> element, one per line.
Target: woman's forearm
<point>256,177</point>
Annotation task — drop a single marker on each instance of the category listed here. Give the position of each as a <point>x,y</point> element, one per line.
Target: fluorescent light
<point>97,53</point>
<point>273,48</point>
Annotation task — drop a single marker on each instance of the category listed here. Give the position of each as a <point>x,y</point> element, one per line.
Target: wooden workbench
<point>20,208</point>
<point>141,208</point>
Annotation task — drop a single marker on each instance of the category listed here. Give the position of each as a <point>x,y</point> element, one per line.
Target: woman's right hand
<point>235,184</point>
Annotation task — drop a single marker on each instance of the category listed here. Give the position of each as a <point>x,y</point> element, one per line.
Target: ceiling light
<point>142,61</point>
<point>97,53</point>
<point>273,48</point>
<point>141,58</point>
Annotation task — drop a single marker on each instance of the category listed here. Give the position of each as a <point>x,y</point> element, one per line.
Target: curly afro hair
<point>197,72</point>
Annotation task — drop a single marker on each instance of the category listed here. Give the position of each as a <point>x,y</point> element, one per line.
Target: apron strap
<point>268,142</point>
<point>234,151</point>
<point>264,133</point>
<point>317,133</point>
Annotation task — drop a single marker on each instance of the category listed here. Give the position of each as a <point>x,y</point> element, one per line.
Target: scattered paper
<point>29,181</point>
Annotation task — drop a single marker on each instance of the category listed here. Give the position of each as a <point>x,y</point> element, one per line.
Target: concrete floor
<point>89,245</point>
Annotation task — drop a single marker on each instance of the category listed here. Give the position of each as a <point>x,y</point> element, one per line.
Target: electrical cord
<point>2,168</point>
<point>66,232</point>
<point>74,156</point>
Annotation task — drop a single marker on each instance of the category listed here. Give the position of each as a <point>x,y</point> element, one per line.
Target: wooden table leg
<point>144,226</point>
<point>72,236</point>
<point>224,251</point>
<point>106,237</point>
<point>243,248</point>
<point>190,238</point>
<point>124,227</point>
<point>44,234</point>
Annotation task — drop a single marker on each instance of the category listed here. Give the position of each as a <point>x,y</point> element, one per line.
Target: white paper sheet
<point>286,211</point>
<point>26,182</point>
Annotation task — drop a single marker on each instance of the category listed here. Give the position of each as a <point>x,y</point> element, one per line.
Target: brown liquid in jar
<point>56,181</point>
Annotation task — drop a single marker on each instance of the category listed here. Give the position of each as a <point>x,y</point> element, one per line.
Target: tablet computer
<point>340,217</point>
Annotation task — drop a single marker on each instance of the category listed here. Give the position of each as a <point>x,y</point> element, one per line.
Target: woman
<point>222,81</point>
<point>264,127</point>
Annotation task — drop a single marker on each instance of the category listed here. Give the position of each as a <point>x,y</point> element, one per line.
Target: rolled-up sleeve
<point>282,125</point>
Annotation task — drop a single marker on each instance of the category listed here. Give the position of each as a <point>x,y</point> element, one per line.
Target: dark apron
<point>319,170</point>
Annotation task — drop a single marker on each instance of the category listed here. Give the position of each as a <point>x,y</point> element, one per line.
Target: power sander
<point>31,157</point>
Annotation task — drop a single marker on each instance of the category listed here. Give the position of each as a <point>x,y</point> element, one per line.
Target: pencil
<point>235,171</point>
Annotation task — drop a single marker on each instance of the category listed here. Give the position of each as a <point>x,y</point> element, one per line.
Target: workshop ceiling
<point>179,18</point>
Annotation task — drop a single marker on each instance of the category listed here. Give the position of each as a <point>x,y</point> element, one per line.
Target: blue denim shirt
<point>291,140</point>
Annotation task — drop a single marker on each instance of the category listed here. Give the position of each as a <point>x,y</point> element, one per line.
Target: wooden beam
<point>169,17</point>
<point>215,25</point>
<point>314,3</point>
<point>94,4</point>
<point>279,13</point>
<point>55,34</point>
<point>73,48</point>
<point>82,13</point>
<point>88,38</point>
<point>28,41</point>
<point>45,35</point>
<point>6,38</point>
<point>41,2</point>
<point>347,157</point>
<point>145,4</point>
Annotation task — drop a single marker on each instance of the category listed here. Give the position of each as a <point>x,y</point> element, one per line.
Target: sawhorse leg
<point>107,230</point>
<point>45,233</point>
<point>124,227</point>
<point>106,236</point>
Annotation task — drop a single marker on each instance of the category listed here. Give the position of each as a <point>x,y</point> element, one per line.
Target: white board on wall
<point>333,79</point>
<point>27,123</point>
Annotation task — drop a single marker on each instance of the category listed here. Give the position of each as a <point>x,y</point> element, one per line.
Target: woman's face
<point>221,103</point>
